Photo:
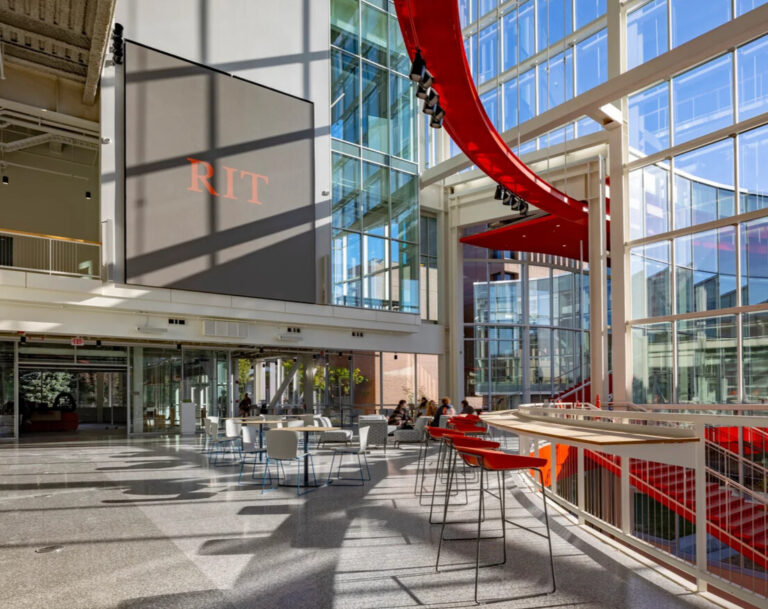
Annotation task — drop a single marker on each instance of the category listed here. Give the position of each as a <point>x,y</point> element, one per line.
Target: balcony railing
<point>49,254</point>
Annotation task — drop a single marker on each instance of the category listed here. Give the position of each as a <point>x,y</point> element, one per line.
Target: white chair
<point>378,431</point>
<point>412,435</point>
<point>353,450</point>
<point>231,440</point>
<point>283,445</point>
<point>250,447</point>
<point>343,436</point>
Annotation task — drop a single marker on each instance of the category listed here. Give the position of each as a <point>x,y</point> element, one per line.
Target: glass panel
<point>753,178</point>
<point>705,267</point>
<point>704,184</point>
<point>464,14</point>
<point>403,113</point>
<point>161,370</point>
<point>346,192</point>
<point>398,56</point>
<point>484,6</point>
<point>347,269</point>
<point>470,49</point>
<point>703,99</point>
<point>646,33</point>
<point>376,279</point>
<point>539,296</point>
<point>405,208</point>
<point>490,101</point>
<point>652,363</point>
<point>7,410</point>
<point>755,355</point>
<point>706,355</point>
<point>527,96</point>
<point>405,278</point>
<point>398,378</point>
<point>509,49</point>
<point>344,24</point>
<point>375,199</point>
<point>649,120</point>
<point>555,81</point>
<point>588,10</point>
<point>691,18</point>
<point>374,25</point>
<point>487,49</point>
<point>505,298</point>
<point>540,360</point>
<point>345,110</point>
<point>554,19</point>
<point>375,119</point>
<point>649,268</point>
<point>592,62</point>
<point>743,6</point>
<point>510,103</point>
<point>754,261</point>
<point>526,30</point>
<point>656,200</point>
<point>752,62</point>
<point>563,299</point>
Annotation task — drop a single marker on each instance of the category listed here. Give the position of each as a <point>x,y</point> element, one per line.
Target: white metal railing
<point>649,500</point>
<point>49,254</point>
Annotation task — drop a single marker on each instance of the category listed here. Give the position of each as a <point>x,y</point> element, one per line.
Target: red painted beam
<point>433,28</point>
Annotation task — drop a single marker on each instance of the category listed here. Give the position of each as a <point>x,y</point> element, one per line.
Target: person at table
<point>445,409</point>
<point>400,416</point>
<point>466,408</point>
<point>422,406</point>
<point>244,407</point>
<point>431,408</point>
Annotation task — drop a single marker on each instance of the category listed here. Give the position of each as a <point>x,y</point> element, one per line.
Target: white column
<point>137,394</point>
<point>597,292</point>
<point>454,307</point>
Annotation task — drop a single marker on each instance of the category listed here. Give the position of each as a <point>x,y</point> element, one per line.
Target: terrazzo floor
<point>148,523</point>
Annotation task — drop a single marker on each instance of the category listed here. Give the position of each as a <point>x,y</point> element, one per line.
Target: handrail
<point>22,233</point>
<point>735,455</point>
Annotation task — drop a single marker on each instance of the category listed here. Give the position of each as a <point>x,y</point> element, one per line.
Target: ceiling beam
<point>102,25</point>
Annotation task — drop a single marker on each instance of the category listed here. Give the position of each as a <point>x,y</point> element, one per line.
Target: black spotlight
<point>438,113</point>
<point>5,180</point>
<point>523,208</point>
<point>422,92</point>
<point>508,199</point>
<point>117,44</point>
<point>435,123</point>
<point>427,80</point>
<point>431,99</point>
<point>500,192</point>
<point>418,68</point>
<point>87,194</point>
<point>22,339</point>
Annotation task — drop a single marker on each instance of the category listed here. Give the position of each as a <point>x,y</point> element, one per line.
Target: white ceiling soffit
<point>67,38</point>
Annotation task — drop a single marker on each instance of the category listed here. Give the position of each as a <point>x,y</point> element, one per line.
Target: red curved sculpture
<point>433,28</point>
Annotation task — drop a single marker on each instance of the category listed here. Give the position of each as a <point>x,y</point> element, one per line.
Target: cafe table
<point>261,422</point>
<point>307,429</point>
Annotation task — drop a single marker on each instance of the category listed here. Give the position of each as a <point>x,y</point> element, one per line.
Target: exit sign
<point>77,342</point>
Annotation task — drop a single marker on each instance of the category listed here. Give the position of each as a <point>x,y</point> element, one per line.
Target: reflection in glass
<point>692,18</point>
<point>375,199</point>
<point>755,354</point>
<point>344,24</point>
<point>705,270</point>
<point>347,269</point>
<point>487,43</point>
<point>649,120</point>
<point>490,101</point>
<point>753,178</point>
<point>704,184</point>
<point>403,117</point>
<point>754,262</point>
<point>345,110</point>
<point>649,269</point>
<point>539,292</point>
<point>405,215</point>
<point>525,30</point>
<point>374,107</point>
<point>540,360</point>
<point>555,80</point>
<point>706,355</point>
<point>398,56</point>
<point>646,33</point>
<point>703,100</point>
<point>405,277</point>
<point>374,26</point>
<point>587,11</point>
<point>752,62</point>
<point>555,21</point>
<point>346,192</point>
<point>652,363</point>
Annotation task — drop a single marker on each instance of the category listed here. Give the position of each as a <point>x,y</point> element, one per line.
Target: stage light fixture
<point>427,80</point>
<point>422,92</point>
<point>436,123</point>
<point>439,112</point>
<point>5,180</point>
<point>515,202</point>
<point>88,194</point>
<point>418,68</point>
<point>431,99</point>
<point>501,192</point>
<point>523,209</point>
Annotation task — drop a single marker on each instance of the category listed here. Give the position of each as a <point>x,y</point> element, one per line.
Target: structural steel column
<point>620,278</point>
<point>454,306</point>
<point>309,382</point>
<point>597,292</point>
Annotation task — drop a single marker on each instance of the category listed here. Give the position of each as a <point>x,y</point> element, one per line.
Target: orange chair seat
<point>500,461</point>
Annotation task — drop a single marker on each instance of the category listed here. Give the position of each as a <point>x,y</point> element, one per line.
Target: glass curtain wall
<point>525,327</point>
<point>375,195</point>
<point>429,285</point>
<point>693,340</point>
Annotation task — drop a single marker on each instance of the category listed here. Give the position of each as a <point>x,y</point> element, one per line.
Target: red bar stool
<point>501,462</point>
<point>455,441</point>
<point>431,434</point>
<point>441,434</point>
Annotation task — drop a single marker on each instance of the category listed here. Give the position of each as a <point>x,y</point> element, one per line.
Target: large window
<point>649,120</point>
<point>429,285</point>
<point>592,62</point>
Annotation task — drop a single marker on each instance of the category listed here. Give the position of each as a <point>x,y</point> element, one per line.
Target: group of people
<point>402,418</point>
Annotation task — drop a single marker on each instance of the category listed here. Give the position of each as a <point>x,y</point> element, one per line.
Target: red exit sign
<point>77,342</point>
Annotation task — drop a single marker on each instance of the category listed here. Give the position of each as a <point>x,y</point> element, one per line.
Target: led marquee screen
<point>219,182</point>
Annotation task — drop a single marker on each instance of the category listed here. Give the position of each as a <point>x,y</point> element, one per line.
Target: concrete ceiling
<point>67,38</point>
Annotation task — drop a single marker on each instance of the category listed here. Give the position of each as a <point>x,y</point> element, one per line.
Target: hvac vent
<point>227,329</point>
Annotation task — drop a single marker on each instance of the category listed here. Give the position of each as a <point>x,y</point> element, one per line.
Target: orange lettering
<point>199,178</point>
<point>255,177</point>
<point>230,171</point>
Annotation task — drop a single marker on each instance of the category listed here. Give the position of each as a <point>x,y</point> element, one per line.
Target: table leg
<point>306,458</point>
<point>261,442</point>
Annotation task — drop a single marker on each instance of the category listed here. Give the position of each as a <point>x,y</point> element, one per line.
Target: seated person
<point>466,408</point>
<point>400,417</point>
<point>445,409</point>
